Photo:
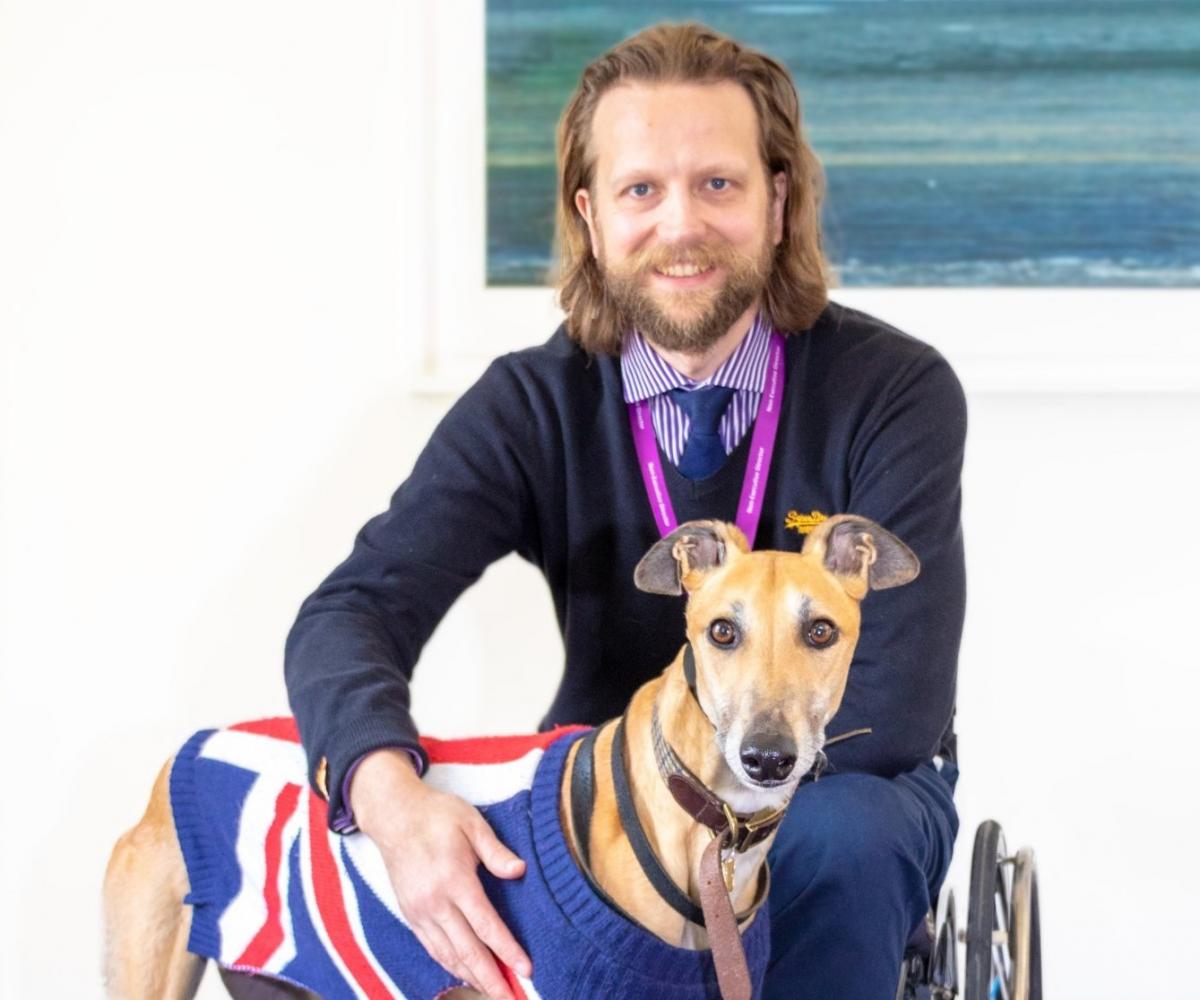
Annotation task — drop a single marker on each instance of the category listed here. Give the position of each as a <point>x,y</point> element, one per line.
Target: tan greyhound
<point>727,731</point>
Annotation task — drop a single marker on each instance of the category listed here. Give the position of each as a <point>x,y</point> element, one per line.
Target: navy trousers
<point>854,869</point>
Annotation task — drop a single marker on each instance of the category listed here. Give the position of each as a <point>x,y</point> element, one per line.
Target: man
<point>688,221</point>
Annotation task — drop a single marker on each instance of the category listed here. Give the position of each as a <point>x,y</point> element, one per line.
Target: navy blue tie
<point>704,452</point>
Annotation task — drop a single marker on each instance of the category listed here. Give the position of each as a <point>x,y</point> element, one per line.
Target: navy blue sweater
<point>537,457</point>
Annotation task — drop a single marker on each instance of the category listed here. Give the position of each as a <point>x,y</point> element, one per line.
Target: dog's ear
<point>687,555</point>
<point>862,554</point>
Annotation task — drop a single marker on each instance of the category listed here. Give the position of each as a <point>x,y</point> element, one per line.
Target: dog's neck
<point>676,838</point>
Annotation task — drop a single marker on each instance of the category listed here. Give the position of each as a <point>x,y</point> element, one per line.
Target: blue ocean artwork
<point>965,142</point>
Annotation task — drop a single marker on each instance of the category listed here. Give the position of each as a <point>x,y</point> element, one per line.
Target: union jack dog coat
<point>275,892</point>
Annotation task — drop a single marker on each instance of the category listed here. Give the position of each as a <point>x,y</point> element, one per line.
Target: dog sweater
<point>275,892</point>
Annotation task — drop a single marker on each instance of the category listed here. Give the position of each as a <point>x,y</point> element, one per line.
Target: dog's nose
<point>768,756</point>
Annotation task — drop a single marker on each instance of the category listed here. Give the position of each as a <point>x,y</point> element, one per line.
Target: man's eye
<point>723,633</point>
<point>820,633</point>
<point>719,183</point>
<point>639,190</point>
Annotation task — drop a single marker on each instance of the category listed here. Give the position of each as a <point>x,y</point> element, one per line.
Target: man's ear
<point>778,205</point>
<point>687,555</point>
<point>862,554</point>
<point>583,205</point>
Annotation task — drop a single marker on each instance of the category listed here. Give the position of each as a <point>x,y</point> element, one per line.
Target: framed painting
<point>1016,183</point>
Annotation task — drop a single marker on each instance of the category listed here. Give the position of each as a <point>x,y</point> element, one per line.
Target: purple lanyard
<point>758,465</point>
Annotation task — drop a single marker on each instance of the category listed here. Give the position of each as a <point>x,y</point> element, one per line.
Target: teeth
<point>682,270</point>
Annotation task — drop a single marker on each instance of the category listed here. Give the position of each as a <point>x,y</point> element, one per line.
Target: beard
<point>688,320</point>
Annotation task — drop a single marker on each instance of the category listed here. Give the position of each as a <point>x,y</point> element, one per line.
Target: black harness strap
<point>668,890</point>
<point>583,795</point>
<point>583,798</point>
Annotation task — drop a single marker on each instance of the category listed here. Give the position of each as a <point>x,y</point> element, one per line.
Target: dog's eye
<point>723,632</point>
<point>822,632</point>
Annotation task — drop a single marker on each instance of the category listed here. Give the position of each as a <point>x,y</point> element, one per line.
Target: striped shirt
<point>645,375</point>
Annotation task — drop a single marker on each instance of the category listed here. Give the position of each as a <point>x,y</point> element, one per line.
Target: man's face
<point>681,217</point>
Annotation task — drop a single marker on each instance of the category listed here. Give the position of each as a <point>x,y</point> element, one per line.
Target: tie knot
<point>703,406</point>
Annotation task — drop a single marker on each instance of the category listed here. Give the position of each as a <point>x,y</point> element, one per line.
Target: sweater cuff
<point>343,820</point>
<point>346,749</point>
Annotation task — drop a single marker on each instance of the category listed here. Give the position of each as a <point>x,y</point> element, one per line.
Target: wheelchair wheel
<point>943,972</point>
<point>1027,930</point>
<point>929,970</point>
<point>1003,926</point>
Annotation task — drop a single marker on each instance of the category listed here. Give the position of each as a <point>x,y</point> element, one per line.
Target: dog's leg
<point>146,923</point>
<point>244,986</point>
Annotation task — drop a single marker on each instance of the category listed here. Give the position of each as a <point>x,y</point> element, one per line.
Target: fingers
<point>496,857</point>
<point>441,951</point>
<point>437,884</point>
<point>473,953</point>
<point>462,942</point>
<point>492,931</point>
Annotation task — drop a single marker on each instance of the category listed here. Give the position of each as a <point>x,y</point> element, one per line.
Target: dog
<point>657,824</point>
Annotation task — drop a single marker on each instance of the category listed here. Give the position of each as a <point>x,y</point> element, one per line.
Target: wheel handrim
<point>1022,913</point>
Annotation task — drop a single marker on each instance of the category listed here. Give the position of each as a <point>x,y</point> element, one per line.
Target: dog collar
<point>699,802</point>
<point>582,794</point>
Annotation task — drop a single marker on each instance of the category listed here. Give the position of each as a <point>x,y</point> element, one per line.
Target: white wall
<point>211,248</point>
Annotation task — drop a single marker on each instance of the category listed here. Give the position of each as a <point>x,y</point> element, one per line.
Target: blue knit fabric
<point>579,946</point>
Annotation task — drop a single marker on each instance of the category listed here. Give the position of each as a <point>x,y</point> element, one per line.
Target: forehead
<point>673,123</point>
<point>786,583</point>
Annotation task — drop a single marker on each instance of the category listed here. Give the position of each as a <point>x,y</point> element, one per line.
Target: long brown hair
<point>692,53</point>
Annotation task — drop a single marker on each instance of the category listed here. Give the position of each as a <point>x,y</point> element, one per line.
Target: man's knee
<point>854,837</point>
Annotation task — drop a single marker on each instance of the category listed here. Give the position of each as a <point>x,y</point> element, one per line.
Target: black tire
<point>988,965</point>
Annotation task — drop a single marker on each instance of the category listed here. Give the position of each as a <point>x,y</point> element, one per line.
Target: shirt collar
<point>644,373</point>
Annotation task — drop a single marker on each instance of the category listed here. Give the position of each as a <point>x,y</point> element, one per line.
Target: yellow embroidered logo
<point>803,523</point>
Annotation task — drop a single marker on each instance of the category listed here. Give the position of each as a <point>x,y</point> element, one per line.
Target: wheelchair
<point>1002,936</point>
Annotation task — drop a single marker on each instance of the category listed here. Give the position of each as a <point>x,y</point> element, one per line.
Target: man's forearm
<point>357,638</point>
<point>349,698</point>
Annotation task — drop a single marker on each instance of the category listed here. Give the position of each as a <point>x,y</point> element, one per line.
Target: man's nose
<point>679,216</point>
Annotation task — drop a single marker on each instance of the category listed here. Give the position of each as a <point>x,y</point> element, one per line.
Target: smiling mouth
<point>682,270</point>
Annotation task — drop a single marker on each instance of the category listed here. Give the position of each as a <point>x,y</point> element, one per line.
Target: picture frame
<point>1091,340</point>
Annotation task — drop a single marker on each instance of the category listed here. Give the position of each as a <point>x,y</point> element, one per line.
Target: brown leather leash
<point>715,913</point>
<point>733,834</point>
<point>733,975</point>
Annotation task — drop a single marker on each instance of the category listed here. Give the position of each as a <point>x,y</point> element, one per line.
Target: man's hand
<point>432,843</point>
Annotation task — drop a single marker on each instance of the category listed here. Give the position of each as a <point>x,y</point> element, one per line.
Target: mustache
<point>700,255</point>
